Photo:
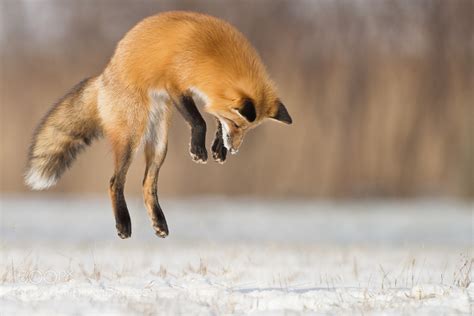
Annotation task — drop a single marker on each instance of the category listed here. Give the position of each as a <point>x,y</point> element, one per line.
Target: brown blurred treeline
<point>381,94</point>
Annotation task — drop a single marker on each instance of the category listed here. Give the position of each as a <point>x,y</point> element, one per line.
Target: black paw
<point>124,228</point>
<point>159,221</point>
<point>161,229</point>
<point>198,153</point>
<point>219,152</point>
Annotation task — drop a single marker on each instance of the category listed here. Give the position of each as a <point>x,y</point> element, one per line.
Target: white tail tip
<point>37,181</point>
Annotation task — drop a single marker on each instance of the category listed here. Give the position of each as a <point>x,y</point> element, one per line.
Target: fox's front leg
<point>219,152</point>
<point>190,113</point>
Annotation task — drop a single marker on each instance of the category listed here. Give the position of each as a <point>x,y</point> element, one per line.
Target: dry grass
<point>462,277</point>
<point>268,284</point>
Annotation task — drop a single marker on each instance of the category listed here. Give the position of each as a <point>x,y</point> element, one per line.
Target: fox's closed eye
<point>236,125</point>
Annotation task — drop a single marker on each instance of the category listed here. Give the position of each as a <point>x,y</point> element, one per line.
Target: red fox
<point>174,59</point>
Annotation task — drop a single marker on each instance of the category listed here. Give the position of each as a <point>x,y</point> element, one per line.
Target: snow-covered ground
<point>62,256</point>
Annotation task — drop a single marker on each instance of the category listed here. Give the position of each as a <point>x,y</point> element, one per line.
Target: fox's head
<point>242,113</point>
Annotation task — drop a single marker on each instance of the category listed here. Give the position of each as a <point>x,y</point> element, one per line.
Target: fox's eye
<point>235,124</point>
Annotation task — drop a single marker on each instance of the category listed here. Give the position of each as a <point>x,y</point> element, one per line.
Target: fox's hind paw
<point>219,152</point>
<point>198,153</point>
<point>124,229</point>
<point>161,230</point>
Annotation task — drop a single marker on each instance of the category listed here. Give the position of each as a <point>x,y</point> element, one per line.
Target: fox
<point>173,60</point>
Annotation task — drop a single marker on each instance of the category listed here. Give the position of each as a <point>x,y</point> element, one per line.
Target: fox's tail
<point>69,126</point>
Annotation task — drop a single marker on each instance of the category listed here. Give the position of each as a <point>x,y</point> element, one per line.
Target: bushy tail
<point>69,126</point>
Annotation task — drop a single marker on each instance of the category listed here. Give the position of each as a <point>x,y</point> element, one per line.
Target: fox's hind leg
<point>154,160</point>
<point>124,115</point>
<point>155,153</point>
<point>124,132</point>
<point>123,158</point>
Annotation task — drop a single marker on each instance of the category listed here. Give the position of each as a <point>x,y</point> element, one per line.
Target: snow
<point>237,256</point>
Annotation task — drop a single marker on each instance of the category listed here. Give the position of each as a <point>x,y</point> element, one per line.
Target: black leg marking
<point>155,212</point>
<point>219,152</point>
<point>117,183</point>
<point>122,217</point>
<point>190,113</point>
<point>159,220</point>
<point>154,160</point>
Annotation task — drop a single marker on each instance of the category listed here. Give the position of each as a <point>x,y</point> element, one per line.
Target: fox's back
<point>185,49</point>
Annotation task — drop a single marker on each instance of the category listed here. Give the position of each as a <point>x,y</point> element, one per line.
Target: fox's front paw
<point>219,152</point>
<point>198,153</point>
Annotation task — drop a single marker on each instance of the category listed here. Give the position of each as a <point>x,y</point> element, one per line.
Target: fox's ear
<point>282,114</point>
<point>248,110</point>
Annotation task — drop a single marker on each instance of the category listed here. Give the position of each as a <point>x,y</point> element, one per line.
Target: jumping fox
<point>173,59</point>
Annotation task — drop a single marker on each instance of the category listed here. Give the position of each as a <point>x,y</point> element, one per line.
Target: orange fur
<point>174,51</point>
<point>157,62</point>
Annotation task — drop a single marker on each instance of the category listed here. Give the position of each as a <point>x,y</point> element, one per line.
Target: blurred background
<point>364,204</point>
<point>380,93</point>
